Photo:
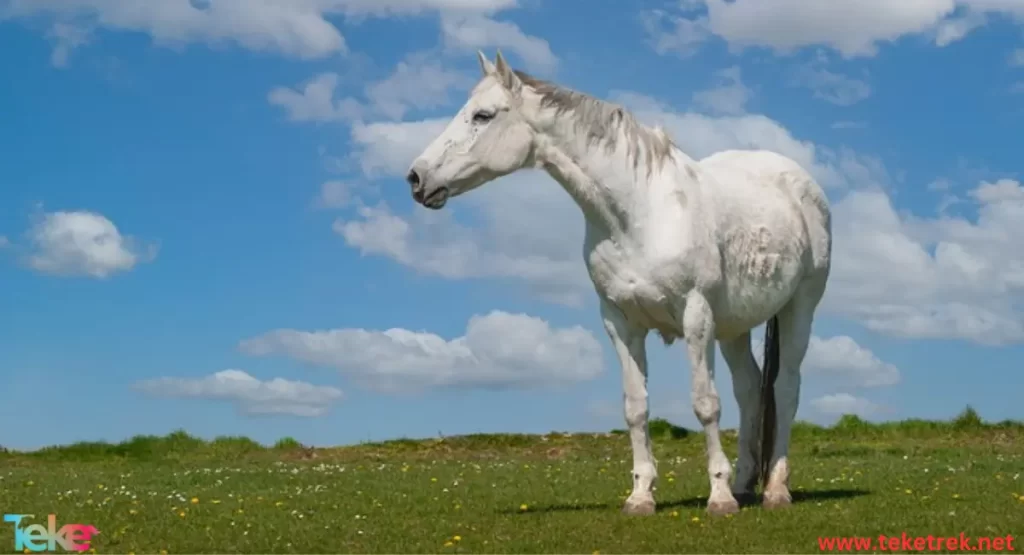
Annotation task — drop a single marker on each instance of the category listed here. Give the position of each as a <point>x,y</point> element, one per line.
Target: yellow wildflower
<point>695,519</point>
<point>181,514</point>
<point>523,507</point>
<point>195,500</point>
<point>448,544</point>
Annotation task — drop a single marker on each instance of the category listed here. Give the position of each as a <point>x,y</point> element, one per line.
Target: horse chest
<point>650,293</point>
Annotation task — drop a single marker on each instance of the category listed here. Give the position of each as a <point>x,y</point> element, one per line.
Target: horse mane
<point>604,123</point>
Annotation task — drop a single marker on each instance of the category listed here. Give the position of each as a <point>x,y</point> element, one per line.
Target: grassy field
<point>507,493</point>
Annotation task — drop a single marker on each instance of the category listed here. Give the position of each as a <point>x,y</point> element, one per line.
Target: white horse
<point>700,250</point>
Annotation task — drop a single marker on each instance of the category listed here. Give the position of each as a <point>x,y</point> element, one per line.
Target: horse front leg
<point>629,342</point>
<point>699,329</point>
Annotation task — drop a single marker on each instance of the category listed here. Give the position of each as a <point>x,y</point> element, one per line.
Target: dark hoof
<point>638,508</point>
<point>722,508</point>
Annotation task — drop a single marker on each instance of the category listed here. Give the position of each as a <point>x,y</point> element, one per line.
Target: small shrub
<point>287,444</point>
<point>969,419</point>
<point>659,427</point>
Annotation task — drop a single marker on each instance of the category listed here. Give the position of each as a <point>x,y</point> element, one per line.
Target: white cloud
<point>1016,58</point>
<point>314,102</point>
<point>839,404</point>
<point>519,244</point>
<point>840,360</point>
<point>854,29</point>
<point>469,33</point>
<point>729,96</point>
<point>83,243</point>
<point>668,33</point>
<point>942,278</point>
<point>4,241</point>
<point>1012,8</point>
<point>336,193</point>
<point>498,350</point>
<point>956,28</point>
<point>830,86</point>
<point>297,28</point>
<point>416,83</point>
<point>65,38</point>
<point>250,395</point>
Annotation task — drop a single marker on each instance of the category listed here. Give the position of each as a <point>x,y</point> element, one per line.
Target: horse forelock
<point>604,123</point>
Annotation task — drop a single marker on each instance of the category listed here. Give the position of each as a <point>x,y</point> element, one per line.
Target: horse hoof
<point>776,500</point>
<point>722,508</point>
<point>639,508</point>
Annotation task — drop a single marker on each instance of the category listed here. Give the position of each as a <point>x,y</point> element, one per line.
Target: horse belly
<point>761,273</point>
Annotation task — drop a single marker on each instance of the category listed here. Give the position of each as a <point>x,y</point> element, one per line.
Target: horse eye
<point>482,117</point>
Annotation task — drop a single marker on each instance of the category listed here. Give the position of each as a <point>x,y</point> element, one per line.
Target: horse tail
<point>768,414</point>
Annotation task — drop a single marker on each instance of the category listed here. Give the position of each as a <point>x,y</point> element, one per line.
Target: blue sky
<point>203,223</point>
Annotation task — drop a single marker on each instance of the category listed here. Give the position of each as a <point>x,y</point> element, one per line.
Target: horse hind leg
<point>745,384</point>
<point>785,350</point>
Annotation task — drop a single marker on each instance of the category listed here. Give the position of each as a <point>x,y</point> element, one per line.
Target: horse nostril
<point>413,178</point>
<point>418,195</point>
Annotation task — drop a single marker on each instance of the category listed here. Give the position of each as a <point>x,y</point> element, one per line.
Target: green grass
<point>231,495</point>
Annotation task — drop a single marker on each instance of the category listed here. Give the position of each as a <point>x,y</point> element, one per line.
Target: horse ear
<point>508,77</point>
<point>486,67</point>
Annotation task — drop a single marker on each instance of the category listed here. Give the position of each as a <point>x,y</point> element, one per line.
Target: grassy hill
<point>518,493</point>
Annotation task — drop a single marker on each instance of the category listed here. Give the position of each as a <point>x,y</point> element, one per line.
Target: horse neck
<point>610,185</point>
